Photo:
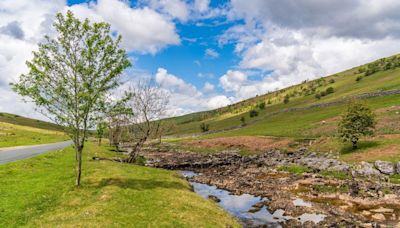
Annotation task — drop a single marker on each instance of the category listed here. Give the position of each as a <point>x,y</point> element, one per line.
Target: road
<point>20,152</point>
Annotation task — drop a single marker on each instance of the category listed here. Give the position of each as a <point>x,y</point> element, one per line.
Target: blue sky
<point>210,53</point>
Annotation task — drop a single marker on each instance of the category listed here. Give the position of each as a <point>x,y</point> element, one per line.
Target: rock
<point>378,217</point>
<point>383,210</point>
<point>385,167</point>
<point>214,198</point>
<point>366,213</point>
<point>365,169</point>
<point>398,167</point>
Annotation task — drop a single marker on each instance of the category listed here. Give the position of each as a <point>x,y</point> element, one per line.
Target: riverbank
<point>347,195</point>
<point>40,192</point>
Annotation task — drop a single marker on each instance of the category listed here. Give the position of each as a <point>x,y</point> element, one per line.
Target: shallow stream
<point>241,205</point>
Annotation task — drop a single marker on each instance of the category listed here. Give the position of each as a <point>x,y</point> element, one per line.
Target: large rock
<point>365,169</point>
<point>385,167</point>
<point>398,167</point>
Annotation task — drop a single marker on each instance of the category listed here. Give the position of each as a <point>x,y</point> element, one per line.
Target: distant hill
<point>312,107</point>
<point>24,121</point>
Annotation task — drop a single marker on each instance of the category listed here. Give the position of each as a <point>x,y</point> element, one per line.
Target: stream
<point>241,206</point>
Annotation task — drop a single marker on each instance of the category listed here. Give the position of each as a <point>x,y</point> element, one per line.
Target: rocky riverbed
<point>347,195</point>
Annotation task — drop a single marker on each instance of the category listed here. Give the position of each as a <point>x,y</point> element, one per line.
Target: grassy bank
<point>40,192</point>
<point>18,135</point>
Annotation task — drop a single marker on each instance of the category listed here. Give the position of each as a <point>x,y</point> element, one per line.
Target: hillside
<point>17,131</point>
<point>311,113</point>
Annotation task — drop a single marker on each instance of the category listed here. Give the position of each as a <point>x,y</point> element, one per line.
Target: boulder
<point>365,169</point>
<point>214,198</point>
<point>398,167</point>
<point>378,217</point>
<point>385,167</point>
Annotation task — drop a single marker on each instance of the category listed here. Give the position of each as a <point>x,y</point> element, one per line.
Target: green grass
<point>295,169</point>
<point>17,135</point>
<point>24,121</point>
<point>40,192</point>
<point>336,174</point>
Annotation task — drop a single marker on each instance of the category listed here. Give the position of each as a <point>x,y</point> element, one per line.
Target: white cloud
<point>208,87</point>
<point>201,5</point>
<point>211,53</point>
<point>142,29</point>
<point>232,80</point>
<point>175,8</point>
<point>218,101</point>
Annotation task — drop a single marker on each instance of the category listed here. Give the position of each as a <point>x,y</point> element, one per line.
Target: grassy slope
<point>24,121</point>
<point>17,135</point>
<point>40,192</point>
<point>292,124</point>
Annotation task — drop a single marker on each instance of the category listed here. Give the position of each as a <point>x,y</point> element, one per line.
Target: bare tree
<point>149,103</point>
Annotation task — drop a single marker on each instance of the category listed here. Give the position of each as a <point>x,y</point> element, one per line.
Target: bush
<point>253,113</point>
<point>323,93</point>
<point>330,90</point>
<point>243,120</point>
<point>359,78</point>
<point>269,101</point>
<point>261,105</point>
<point>204,127</point>
<point>318,96</point>
<point>332,81</point>
<point>286,99</point>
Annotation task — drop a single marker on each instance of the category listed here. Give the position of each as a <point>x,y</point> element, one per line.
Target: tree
<point>261,105</point>
<point>330,90</point>
<point>243,120</point>
<point>71,75</point>
<point>148,103</point>
<point>253,113</point>
<point>100,130</point>
<point>204,127</point>
<point>286,99</point>
<point>356,122</point>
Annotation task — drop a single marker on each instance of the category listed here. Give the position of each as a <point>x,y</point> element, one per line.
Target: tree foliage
<point>71,74</point>
<point>356,122</point>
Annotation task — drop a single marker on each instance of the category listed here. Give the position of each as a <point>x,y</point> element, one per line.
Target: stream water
<point>239,205</point>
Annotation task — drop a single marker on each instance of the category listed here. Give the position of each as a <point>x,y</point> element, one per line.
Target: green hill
<point>312,109</point>
<point>17,131</point>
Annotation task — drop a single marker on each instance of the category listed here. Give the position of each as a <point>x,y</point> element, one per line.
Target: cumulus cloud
<point>143,29</point>
<point>175,8</point>
<point>211,53</point>
<point>290,41</point>
<point>208,87</point>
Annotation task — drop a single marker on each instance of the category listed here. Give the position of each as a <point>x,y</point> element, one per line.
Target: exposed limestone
<point>385,167</point>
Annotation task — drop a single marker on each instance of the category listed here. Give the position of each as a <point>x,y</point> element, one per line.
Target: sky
<point>208,54</point>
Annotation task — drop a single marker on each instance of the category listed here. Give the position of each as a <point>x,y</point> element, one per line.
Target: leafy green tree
<point>72,74</point>
<point>261,105</point>
<point>253,113</point>
<point>286,99</point>
<point>356,122</point>
<point>100,130</point>
<point>204,127</point>
<point>243,120</point>
<point>330,90</point>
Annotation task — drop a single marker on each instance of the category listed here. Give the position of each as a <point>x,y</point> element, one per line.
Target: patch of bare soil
<point>252,143</point>
<point>374,154</point>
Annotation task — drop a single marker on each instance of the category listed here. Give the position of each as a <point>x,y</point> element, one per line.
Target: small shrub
<point>330,90</point>
<point>253,113</point>
<point>296,169</point>
<point>318,96</point>
<point>204,127</point>
<point>323,93</point>
<point>359,78</point>
<point>261,105</point>
<point>331,81</point>
<point>286,99</point>
<point>269,101</point>
<point>243,120</point>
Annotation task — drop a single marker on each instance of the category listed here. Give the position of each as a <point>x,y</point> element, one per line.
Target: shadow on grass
<point>347,149</point>
<point>140,184</point>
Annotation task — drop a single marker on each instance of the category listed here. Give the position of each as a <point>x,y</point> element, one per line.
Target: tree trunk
<point>100,141</point>
<point>78,151</point>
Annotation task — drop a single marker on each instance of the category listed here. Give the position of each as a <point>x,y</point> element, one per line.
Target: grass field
<point>24,121</point>
<point>40,192</point>
<point>18,135</point>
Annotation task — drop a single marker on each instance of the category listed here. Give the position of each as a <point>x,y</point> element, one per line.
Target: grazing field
<point>18,135</point>
<point>40,192</point>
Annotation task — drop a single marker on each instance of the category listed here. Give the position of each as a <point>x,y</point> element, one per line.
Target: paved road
<point>21,152</point>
